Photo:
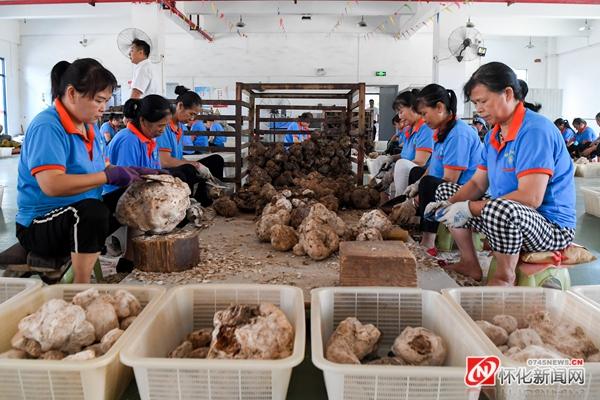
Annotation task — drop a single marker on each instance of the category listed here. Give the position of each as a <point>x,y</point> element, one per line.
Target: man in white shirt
<point>143,82</point>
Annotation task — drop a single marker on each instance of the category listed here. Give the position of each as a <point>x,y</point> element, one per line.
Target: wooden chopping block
<point>172,252</point>
<point>377,263</point>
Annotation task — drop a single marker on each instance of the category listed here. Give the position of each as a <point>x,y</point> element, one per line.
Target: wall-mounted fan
<point>466,43</point>
<point>127,36</point>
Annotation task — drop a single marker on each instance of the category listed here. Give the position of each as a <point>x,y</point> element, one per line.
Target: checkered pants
<point>512,227</point>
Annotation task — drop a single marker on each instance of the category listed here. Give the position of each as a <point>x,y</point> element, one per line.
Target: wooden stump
<point>377,263</point>
<point>173,252</point>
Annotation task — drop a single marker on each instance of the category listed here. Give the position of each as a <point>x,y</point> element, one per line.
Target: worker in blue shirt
<point>566,131</point>
<point>480,127</point>
<point>527,171</point>
<point>584,136</point>
<point>170,146</point>
<point>62,170</point>
<point>109,129</point>
<point>456,155</point>
<point>216,141</point>
<point>200,140</point>
<point>594,149</point>
<point>302,125</point>
<point>418,141</point>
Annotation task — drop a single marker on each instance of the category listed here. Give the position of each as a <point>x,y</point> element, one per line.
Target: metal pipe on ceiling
<point>93,2</point>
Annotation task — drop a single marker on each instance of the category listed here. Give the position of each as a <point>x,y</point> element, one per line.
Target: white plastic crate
<point>103,378</point>
<point>12,289</point>
<point>191,307</point>
<point>391,310</point>
<point>483,303</point>
<point>6,151</point>
<point>589,293</point>
<point>591,170</point>
<point>591,197</point>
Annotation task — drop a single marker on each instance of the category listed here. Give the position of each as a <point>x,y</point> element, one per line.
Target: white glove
<point>203,171</point>
<point>455,215</point>
<point>412,190</point>
<point>431,208</point>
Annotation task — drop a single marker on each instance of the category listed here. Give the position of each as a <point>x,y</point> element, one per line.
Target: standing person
<point>526,170</point>
<point>170,146</point>
<point>418,141</point>
<point>374,117</point>
<point>143,82</point>
<point>110,128</point>
<point>566,131</point>
<point>456,154</point>
<point>302,125</point>
<point>62,170</point>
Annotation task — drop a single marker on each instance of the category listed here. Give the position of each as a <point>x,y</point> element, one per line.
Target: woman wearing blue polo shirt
<point>62,170</point>
<point>565,130</point>
<point>456,154</point>
<point>170,146</point>
<point>302,125</point>
<point>110,128</point>
<point>418,141</point>
<point>527,171</point>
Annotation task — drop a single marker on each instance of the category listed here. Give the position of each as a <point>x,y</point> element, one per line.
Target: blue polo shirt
<point>53,142</point>
<point>170,141</point>
<point>218,141</point>
<point>200,141</point>
<point>187,141</point>
<point>107,127</point>
<point>130,148</point>
<point>568,134</point>
<point>289,138</point>
<point>533,145</point>
<point>460,151</point>
<point>586,135</point>
<point>419,138</point>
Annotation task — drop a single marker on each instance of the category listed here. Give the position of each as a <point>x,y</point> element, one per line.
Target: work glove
<point>121,176</point>
<point>143,171</point>
<point>455,215</point>
<point>402,213</point>
<point>412,190</point>
<point>203,171</point>
<point>432,208</point>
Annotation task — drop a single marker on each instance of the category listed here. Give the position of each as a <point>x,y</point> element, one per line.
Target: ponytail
<point>433,94</point>
<point>152,108</point>
<point>86,75</point>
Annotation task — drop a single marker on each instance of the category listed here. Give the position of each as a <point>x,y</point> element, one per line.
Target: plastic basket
<point>589,293</point>
<point>591,170</point>
<point>5,151</point>
<point>103,378</point>
<point>192,307</point>
<point>12,289</point>
<point>483,303</point>
<point>591,197</point>
<point>391,310</point>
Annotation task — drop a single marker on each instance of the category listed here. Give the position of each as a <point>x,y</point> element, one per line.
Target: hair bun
<point>179,90</point>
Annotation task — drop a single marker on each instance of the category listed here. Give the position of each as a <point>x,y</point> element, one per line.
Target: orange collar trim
<point>415,128</point>
<point>435,135</point>
<point>177,129</point>
<point>150,144</point>
<point>67,122</point>
<point>513,129</point>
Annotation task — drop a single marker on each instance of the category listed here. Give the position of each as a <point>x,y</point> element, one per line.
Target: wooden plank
<point>301,86</point>
<point>323,96</point>
<point>287,119</point>
<point>211,149</point>
<point>171,252</point>
<point>286,107</point>
<point>377,263</point>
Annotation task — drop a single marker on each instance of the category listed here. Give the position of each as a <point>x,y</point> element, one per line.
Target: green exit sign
<point>380,73</point>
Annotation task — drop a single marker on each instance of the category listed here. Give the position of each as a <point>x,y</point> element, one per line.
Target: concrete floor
<point>307,381</point>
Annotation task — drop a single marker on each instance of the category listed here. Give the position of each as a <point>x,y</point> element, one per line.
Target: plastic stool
<point>550,277</point>
<point>69,275</point>
<point>444,241</point>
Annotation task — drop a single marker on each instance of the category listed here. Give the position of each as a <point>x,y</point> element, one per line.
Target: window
<point>3,114</point>
<point>521,73</point>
